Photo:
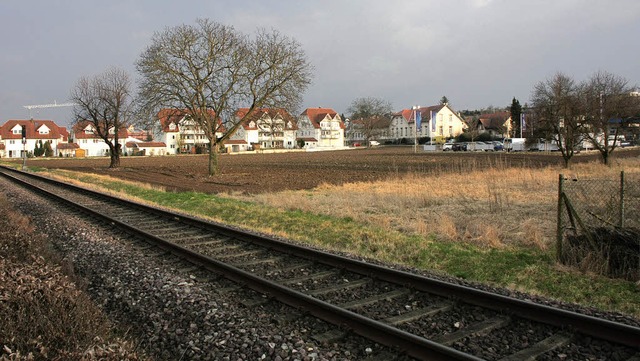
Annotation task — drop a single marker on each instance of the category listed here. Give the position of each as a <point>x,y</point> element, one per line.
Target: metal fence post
<point>622,199</point>
<point>559,220</point>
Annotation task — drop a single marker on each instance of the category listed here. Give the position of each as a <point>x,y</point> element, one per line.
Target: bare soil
<point>260,173</point>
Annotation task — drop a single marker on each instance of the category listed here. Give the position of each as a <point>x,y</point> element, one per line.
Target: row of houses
<point>272,128</point>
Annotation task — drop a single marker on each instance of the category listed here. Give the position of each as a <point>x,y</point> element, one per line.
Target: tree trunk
<point>213,159</point>
<point>115,158</point>
<point>114,155</point>
<point>605,157</point>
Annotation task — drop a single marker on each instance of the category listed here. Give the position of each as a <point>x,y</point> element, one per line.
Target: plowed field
<point>259,173</point>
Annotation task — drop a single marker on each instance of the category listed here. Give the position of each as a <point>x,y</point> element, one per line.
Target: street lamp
<point>416,119</point>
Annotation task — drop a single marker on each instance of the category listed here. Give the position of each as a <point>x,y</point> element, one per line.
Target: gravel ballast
<point>175,314</point>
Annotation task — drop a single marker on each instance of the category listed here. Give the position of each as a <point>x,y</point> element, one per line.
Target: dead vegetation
<point>43,314</point>
<point>499,206</point>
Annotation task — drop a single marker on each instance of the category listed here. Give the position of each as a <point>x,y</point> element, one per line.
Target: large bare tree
<point>556,106</point>
<point>104,101</point>
<point>606,97</point>
<point>210,66</point>
<point>369,116</point>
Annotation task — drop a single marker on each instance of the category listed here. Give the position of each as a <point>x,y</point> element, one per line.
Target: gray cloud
<point>476,52</point>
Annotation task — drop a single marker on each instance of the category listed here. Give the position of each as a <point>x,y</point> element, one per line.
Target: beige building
<point>435,121</point>
<point>321,128</point>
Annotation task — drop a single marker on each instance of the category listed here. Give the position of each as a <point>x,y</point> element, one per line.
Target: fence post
<point>559,220</point>
<point>622,199</point>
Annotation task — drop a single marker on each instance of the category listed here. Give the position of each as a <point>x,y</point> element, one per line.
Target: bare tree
<point>556,105</point>
<point>369,116</point>
<point>209,66</point>
<point>606,97</point>
<point>104,101</point>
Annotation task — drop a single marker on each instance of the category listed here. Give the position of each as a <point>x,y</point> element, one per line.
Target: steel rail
<point>596,327</point>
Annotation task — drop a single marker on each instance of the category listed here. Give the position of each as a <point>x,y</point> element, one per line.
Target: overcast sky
<point>410,52</point>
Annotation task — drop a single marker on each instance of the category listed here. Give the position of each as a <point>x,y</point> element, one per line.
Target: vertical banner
<point>433,120</point>
<point>523,124</point>
<point>418,117</point>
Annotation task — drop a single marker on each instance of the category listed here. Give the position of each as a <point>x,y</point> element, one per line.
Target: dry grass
<point>497,207</point>
<point>43,314</point>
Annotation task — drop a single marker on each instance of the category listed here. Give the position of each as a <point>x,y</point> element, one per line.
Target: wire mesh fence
<point>599,224</point>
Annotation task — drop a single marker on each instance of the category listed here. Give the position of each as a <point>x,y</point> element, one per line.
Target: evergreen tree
<point>444,100</point>
<point>516,112</point>
<point>39,149</point>
<point>47,150</point>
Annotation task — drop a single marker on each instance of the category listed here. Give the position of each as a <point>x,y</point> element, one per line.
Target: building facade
<point>320,128</point>
<point>36,131</point>
<point>436,121</point>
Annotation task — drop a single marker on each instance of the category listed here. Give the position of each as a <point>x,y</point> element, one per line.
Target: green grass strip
<point>526,270</point>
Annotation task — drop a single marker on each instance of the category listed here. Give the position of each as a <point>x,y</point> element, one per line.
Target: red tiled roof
<point>235,141</point>
<point>316,115</point>
<point>145,144</point>
<point>79,133</point>
<point>151,145</point>
<point>62,146</point>
<point>269,112</point>
<point>170,115</point>
<point>32,127</point>
<point>425,112</point>
<point>494,120</point>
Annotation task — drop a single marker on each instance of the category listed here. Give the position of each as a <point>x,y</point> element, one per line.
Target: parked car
<point>374,143</point>
<point>459,147</point>
<point>447,146</point>
<point>498,146</point>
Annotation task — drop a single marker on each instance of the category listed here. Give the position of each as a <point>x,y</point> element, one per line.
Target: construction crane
<point>41,106</point>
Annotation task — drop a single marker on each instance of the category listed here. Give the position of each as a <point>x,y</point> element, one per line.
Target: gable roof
<point>375,123</point>
<point>79,131</point>
<point>495,120</point>
<point>145,144</point>
<point>316,115</point>
<point>32,127</point>
<point>425,112</point>
<point>272,113</point>
<point>167,116</point>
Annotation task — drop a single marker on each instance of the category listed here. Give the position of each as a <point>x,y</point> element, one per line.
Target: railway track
<point>417,316</point>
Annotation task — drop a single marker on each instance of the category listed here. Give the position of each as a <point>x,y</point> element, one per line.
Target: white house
<point>180,133</point>
<point>265,128</point>
<point>321,128</point>
<point>435,121</point>
<point>144,148</point>
<point>36,131</point>
<point>85,135</point>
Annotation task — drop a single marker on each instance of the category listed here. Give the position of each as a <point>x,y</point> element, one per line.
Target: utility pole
<point>24,146</point>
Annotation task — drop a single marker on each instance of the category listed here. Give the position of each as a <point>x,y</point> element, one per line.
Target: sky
<point>477,53</point>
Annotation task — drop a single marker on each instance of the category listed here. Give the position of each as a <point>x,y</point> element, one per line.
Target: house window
<point>173,137</point>
<point>17,130</point>
<point>440,130</point>
<point>450,131</point>
<point>173,146</point>
<point>450,118</point>
<point>12,142</point>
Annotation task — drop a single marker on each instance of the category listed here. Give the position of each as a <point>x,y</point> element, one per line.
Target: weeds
<point>43,314</point>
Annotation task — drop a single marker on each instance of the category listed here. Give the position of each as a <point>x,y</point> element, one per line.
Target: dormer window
<point>17,130</point>
<point>172,126</point>
<point>252,124</point>
<point>43,130</point>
